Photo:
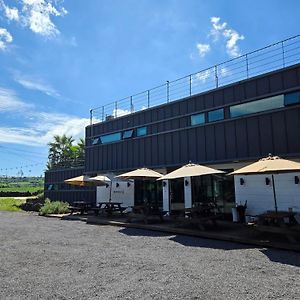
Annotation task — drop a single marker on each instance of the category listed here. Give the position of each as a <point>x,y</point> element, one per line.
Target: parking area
<point>58,259</point>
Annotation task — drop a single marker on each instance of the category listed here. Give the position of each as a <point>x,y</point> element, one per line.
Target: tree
<point>62,152</point>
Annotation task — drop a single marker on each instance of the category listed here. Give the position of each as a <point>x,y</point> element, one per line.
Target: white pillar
<point>166,199</point>
<point>187,192</point>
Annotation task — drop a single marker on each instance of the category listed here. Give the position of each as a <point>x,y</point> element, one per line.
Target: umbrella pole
<point>274,193</point>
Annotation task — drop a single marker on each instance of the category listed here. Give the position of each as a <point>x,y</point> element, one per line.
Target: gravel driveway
<point>43,258</point>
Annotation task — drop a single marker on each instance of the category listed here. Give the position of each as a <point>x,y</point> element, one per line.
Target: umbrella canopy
<point>270,164</point>
<point>84,180</point>
<point>100,180</point>
<point>143,174</point>
<point>191,170</point>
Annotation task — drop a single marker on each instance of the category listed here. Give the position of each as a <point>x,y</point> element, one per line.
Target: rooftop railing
<point>270,58</point>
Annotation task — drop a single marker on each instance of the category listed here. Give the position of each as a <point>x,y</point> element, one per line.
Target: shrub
<point>54,207</point>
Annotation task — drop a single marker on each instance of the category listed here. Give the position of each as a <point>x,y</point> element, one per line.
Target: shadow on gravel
<point>283,257</point>
<point>208,243</point>
<point>142,232</point>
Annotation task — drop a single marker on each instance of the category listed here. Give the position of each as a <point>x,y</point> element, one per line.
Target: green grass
<point>21,185</point>
<point>10,204</point>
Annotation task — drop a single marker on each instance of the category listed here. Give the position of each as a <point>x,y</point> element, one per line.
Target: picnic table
<point>144,213</point>
<point>280,218</point>
<point>109,208</point>
<point>80,206</point>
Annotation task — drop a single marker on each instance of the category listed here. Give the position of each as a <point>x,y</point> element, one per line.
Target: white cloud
<point>12,14</point>
<point>217,28</point>
<point>37,16</point>
<point>38,127</point>
<point>9,101</point>
<point>36,84</point>
<point>5,38</point>
<point>203,49</point>
<point>232,37</point>
<point>201,76</point>
<point>120,112</point>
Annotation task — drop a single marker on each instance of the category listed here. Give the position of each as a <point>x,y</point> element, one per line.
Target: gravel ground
<point>43,258</point>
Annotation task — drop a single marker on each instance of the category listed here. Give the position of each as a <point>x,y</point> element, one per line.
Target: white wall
<point>187,192</point>
<point>166,196</point>
<point>122,193</point>
<point>260,197</point>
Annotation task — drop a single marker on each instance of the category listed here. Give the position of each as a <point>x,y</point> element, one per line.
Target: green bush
<point>54,207</point>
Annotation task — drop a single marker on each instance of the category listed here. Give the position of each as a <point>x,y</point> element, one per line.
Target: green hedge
<point>54,207</point>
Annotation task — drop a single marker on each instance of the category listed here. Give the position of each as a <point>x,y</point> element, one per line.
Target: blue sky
<point>60,58</point>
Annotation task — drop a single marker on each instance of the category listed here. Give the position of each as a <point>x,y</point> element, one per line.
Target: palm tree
<point>62,152</point>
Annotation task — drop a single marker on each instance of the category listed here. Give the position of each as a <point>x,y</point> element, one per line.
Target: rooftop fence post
<point>168,91</point>
<point>148,98</point>
<point>216,76</point>
<point>247,65</point>
<point>116,109</point>
<point>103,113</point>
<point>131,104</point>
<point>91,117</point>
<point>283,59</point>
<point>190,77</point>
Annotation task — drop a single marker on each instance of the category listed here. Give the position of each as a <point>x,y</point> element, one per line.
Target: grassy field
<point>28,184</point>
<point>10,204</point>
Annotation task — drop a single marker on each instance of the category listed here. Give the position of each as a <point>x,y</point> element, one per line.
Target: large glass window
<point>216,115</point>
<point>256,106</point>
<point>292,98</point>
<point>127,134</point>
<point>197,119</point>
<point>109,138</point>
<point>141,131</point>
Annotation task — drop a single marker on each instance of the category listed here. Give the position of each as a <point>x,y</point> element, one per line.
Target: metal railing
<point>273,57</point>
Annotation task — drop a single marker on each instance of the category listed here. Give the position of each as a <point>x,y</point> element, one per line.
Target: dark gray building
<point>224,126</point>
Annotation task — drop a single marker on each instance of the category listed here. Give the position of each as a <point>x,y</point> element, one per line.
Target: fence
<point>270,58</point>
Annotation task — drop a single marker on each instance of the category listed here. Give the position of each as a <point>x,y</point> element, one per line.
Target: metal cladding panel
<point>241,138</point>
<point>279,133</point>
<point>290,78</point>
<point>276,82</point>
<point>218,98</point>
<point>228,95</point>
<point>292,118</point>
<point>220,142</point>
<point>266,139</point>
<point>209,100</point>
<point>250,89</point>
<point>176,147</point>
<point>253,134</point>
<point>210,143</point>
<point>148,151</point>
<point>263,86</point>
<point>230,137</point>
<point>192,144</point>
<point>183,147</point>
<point>200,102</point>
<point>161,150</point>
<point>239,92</point>
<point>169,148</point>
<point>201,140</point>
<point>154,151</point>
<point>142,152</point>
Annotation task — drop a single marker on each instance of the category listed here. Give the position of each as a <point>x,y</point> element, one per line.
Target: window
<point>256,106</point>
<point>50,187</point>
<point>141,131</point>
<point>109,138</point>
<point>95,141</point>
<point>127,134</point>
<point>197,119</point>
<point>291,98</point>
<point>216,115</point>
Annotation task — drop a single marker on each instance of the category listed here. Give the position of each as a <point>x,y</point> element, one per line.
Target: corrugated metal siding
<point>172,141</point>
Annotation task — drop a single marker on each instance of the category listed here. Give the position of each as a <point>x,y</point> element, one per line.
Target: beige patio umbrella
<point>143,174</point>
<point>191,170</point>
<point>269,165</point>
<point>85,180</point>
